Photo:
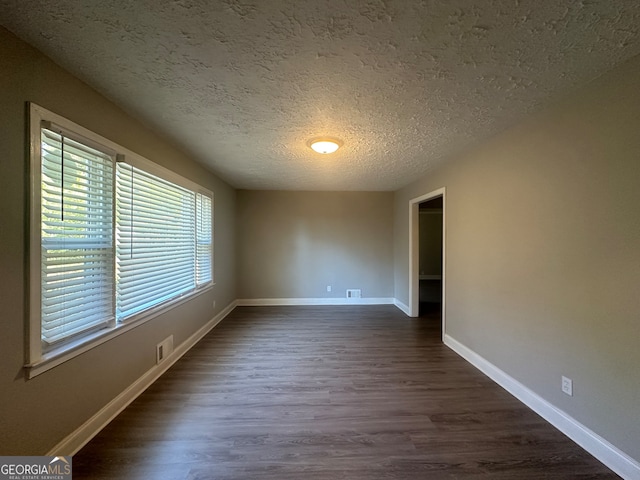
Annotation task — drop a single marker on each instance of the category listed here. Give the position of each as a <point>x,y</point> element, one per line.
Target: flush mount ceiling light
<point>324,145</point>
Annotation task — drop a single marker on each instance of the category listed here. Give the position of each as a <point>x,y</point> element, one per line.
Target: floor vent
<point>354,293</point>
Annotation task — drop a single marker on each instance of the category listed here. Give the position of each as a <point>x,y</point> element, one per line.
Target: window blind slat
<point>151,292</point>
<point>155,278</point>
<point>143,268</point>
<point>140,305</point>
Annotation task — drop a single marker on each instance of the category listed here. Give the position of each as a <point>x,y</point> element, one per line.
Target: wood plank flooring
<point>325,393</point>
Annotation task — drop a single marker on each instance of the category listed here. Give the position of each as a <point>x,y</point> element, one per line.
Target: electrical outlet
<point>567,386</point>
<point>328,288</point>
<point>214,304</point>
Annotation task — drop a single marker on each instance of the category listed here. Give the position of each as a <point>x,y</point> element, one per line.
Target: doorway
<point>427,256</point>
<point>430,258</point>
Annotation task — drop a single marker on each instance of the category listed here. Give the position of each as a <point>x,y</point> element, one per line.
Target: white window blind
<point>156,240</point>
<point>112,244</point>
<point>77,280</point>
<point>204,248</point>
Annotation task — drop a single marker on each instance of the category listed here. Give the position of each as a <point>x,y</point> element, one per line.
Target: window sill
<point>72,349</point>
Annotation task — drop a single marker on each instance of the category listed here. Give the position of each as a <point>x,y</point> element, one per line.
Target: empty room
<point>320,239</point>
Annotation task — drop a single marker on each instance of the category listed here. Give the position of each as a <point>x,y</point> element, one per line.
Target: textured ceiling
<point>243,84</point>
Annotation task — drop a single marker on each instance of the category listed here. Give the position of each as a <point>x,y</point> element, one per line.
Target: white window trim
<point>38,361</point>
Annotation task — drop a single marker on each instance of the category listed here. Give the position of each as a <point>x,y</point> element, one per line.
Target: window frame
<point>39,359</point>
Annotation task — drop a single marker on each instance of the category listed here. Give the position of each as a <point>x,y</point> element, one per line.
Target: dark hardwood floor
<point>328,393</point>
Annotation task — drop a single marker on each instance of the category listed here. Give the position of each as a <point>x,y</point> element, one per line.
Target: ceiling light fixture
<point>324,145</point>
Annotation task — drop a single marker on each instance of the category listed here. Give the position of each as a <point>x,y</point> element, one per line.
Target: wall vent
<point>164,349</point>
<point>354,293</point>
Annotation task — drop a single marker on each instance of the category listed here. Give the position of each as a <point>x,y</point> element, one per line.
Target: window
<point>160,234</point>
<point>204,239</point>
<point>76,237</point>
<point>115,238</point>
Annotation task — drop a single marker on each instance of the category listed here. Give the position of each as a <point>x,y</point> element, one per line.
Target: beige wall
<point>543,253</point>
<point>294,244</point>
<point>36,414</point>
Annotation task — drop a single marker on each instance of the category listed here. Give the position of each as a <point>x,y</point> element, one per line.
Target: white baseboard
<point>259,302</point>
<point>608,454</point>
<point>402,307</point>
<point>83,434</point>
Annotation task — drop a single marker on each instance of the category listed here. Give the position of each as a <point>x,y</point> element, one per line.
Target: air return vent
<point>354,293</point>
<point>164,349</point>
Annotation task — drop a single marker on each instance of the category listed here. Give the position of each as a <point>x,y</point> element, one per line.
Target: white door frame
<point>414,251</point>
